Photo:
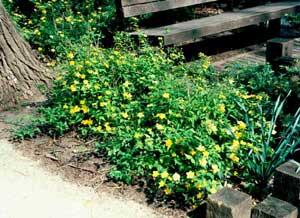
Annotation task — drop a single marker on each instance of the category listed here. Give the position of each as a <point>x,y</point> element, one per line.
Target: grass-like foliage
<point>274,151</point>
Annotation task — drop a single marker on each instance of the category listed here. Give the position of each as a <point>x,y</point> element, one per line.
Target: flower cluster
<point>153,119</point>
<point>51,25</point>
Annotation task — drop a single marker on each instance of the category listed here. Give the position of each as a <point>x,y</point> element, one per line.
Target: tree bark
<point>20,70</point>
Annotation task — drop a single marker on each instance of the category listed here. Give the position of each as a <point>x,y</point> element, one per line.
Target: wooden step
<point>194,29</point>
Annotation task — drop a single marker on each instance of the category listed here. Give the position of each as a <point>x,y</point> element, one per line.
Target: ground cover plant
<point>51,25</point>
<point>158,120</point>
<point>182,130</point>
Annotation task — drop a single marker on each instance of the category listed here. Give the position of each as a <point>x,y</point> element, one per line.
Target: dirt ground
<point>63,177</point>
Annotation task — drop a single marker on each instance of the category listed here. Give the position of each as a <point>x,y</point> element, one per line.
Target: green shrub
<point>51,25</point>
<point>156,119</point>
<point>262,80</point>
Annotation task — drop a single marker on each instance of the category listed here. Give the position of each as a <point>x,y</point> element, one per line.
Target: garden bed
<point>72,159</point>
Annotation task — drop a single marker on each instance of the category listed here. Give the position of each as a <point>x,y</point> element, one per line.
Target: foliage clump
<point>50,25</point>
<point>156,119</point>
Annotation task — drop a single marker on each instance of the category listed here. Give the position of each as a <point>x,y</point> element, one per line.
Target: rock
<point>274,208</point>
<point>228,203</point>
<point>279,47</point>
<point>287,183</point>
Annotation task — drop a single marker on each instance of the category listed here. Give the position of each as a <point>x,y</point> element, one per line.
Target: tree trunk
<point>20,70</point>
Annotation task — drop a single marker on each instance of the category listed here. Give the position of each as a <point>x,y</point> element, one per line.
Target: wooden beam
<point>156,6</point>
<point>135,2</point>
<point>195,29</point>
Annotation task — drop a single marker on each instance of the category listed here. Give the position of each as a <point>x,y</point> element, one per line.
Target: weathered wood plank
<point>134,2</point>
<point>156,6</point>
<point>194,29</point>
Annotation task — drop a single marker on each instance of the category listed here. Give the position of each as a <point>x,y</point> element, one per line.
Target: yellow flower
<point>166,95</point>
<point>82,76</point>
<point>176,177</point>
<point>242,125</point>
<point>211,127</point>
<point>255,150</point>
<point>126,84</point>
<point>161,116</point>
<point>190,175</point>
<point>85,82</point>
<point>161,184</point>
<point>106,65</point>
<point>103,104</point>
<point>65,106</point>
<point>199,195</point>
<point>235,173</point>
<point>107,92</point>
<point>127,95</point>
<point>124,115</point>
<point>137,135</point>
<point>203,162</point>
<point>222,96</point>
<point>168,143</point>
<point>205,153</point>
<point>213,190</point>
<point>155,174</point>
<point>59,78</point>
<point>198,186</point>
<point>200,88</point>
<point>70,55</point>
<point>234,158</point>
<point>164,175</point>
<point>140,115</point>
<point>149,130</point>
<point>159,126</point>
<point>72,63</point>
<point>82,102</point>
<point>167,191</point>
<point>235,145</point>
<point>258,97</point>
<point>243,142</point>
<point>84,109</point>
<point>193,152</point>
<point>233,128</point>
<point>221,108</point>
<point>218,148</point>
<point>215,168</point>
<point>107,127</point>
<point>88,122</point>
<point>99,128</point>
<point>74,109</point>
<point>73,88</point>
<point>201,148</point>
<point>238,134</point>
